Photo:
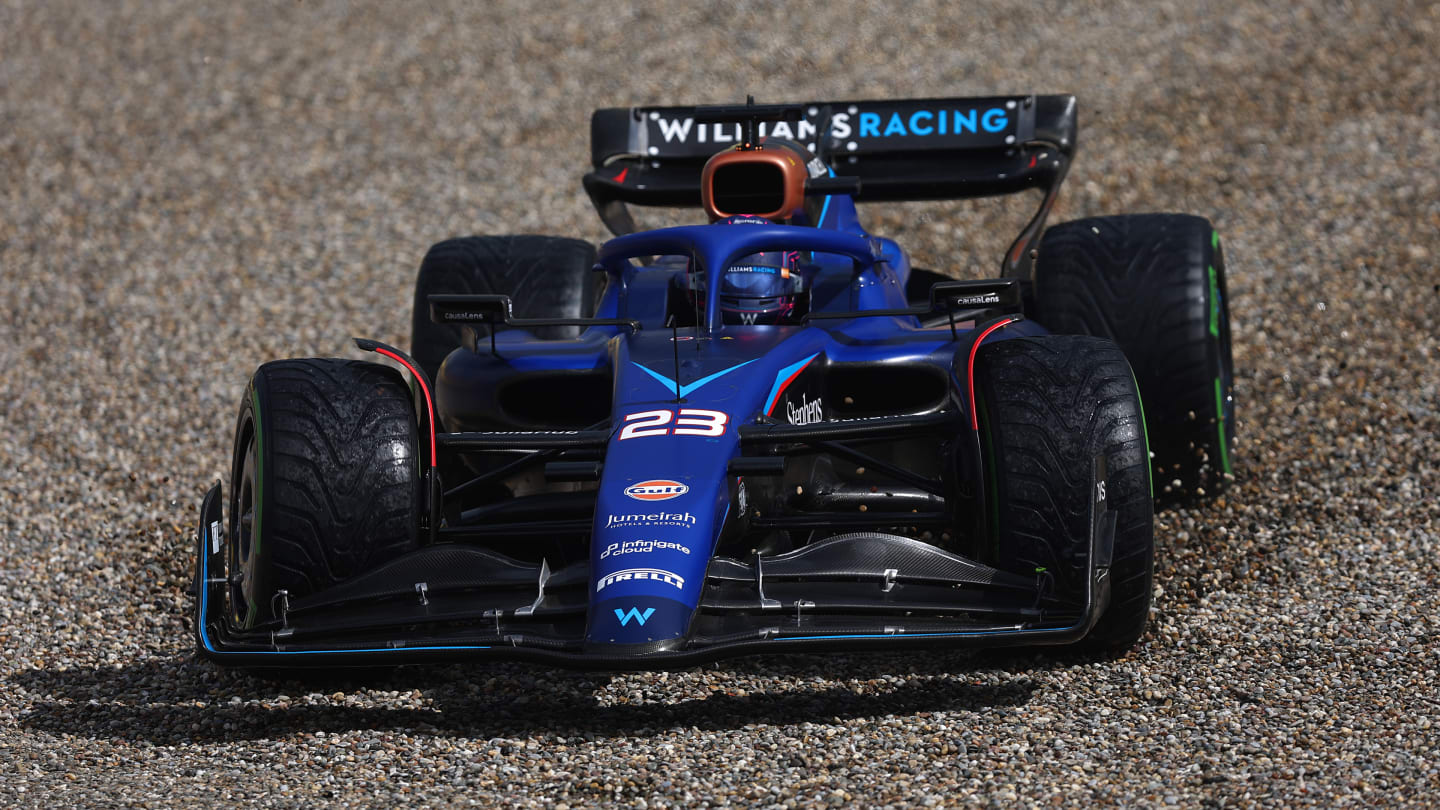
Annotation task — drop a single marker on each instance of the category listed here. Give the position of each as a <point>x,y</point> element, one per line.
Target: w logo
<point>633,613</point>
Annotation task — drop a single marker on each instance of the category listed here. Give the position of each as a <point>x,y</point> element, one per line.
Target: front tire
<point>325,483</point>
<point>1048,406</point>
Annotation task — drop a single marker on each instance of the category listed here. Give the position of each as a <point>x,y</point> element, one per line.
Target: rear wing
<point>900,150</point>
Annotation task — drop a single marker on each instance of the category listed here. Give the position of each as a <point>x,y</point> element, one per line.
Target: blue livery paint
<point>681,395</point>
<point>684,390</point>
<point>638,619</point>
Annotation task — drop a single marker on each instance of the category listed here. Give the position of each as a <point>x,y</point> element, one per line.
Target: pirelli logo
<point>630,574</point>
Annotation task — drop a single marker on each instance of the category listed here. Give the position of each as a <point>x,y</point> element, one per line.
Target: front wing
<point>451,602</point>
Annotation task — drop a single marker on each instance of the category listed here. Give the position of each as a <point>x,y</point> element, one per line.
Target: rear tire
<point>545,276</point>
<point>917,288</point>
<point>1154,284</point>
<point>1048,406</point>
<point>325,483</point>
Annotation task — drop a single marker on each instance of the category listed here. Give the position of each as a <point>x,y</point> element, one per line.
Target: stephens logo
<point>633,574</point>
<point>659,489</point>
<point>807,413</point>
<point>684,520</point>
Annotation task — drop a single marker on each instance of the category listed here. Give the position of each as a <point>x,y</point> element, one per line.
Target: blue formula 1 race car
<point>764,434</point>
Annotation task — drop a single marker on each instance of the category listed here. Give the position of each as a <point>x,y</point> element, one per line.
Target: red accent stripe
<point>769,410</point>
<point>429,405</point>
<point>970,371</point>
<point>1015,254</point>
<point>620,178</point>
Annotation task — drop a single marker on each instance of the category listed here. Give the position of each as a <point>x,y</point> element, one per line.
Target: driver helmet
<point>757,289</point>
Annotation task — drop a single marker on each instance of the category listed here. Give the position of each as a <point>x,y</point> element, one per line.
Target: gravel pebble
<point>189,189</point>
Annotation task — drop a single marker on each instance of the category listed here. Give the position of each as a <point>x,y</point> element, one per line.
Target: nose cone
<point>664,496</point>
<point>664,493</point>
<point>662,502</point>
<point>638,624</point>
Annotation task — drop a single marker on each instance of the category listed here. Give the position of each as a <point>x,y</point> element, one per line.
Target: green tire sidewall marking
<point>1215,333</point>
<point>1214,303</point>
<point>1220,428</point>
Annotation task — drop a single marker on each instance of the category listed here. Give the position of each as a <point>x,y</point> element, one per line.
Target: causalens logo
<point>977,299</point>
<point>624,616</point>
<point>633,574</point>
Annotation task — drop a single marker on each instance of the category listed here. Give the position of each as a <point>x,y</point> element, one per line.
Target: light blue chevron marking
<point>684,390</point>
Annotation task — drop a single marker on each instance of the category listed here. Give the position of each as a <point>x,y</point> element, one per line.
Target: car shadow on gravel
<point>183,701</point>
<point>932,663</point>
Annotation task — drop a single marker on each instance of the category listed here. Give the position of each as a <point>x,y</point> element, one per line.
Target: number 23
<point>691,422</point>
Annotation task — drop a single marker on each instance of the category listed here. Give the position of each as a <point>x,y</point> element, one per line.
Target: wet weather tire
<point>545,277</point>
<point>917,288</point>
<point>325,483</point>
<point>1048,406</point>
<point>1154,284</point>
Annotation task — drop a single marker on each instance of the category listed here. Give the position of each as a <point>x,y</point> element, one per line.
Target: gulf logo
<point>660,489</point>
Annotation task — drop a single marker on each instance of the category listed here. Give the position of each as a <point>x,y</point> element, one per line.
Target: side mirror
<point>1001,294</point>
<point>466,309</point>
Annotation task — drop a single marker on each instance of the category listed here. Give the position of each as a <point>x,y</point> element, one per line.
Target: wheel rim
<point>243,542</point>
